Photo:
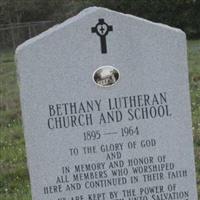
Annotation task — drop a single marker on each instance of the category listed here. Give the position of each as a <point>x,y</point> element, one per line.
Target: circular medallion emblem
<point>106,76</point>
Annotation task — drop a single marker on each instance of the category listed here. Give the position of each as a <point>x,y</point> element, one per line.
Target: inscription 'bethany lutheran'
<point>138,107</point>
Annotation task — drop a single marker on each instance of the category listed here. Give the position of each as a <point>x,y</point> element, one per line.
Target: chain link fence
<point>11,35</point>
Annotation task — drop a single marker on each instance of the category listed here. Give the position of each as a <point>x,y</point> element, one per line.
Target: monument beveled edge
<point>106,110</point>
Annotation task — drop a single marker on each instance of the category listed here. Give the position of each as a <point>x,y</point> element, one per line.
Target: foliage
<point>184,14</point>
<point>14,11</point>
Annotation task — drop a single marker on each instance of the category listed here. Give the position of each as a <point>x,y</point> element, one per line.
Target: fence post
<point>13,36</point>
<point>29,30</point>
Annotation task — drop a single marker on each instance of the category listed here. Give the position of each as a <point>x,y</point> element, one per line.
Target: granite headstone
<point>106,110</point>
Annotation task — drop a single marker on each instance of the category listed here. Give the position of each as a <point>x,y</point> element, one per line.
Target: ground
<point>14,179</point>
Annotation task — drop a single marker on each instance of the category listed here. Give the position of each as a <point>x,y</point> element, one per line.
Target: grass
<point>194,72</point>
<point>14,179</point>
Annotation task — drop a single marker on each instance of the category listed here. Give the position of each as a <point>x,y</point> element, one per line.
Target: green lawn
<point>14,180</point>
